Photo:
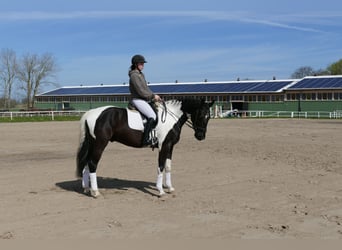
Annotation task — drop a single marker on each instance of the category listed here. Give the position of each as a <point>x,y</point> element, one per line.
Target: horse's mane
<point>185,104</point>
<point>191,104</point>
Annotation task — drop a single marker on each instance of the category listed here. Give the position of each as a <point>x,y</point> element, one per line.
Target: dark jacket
<point>138,86</point>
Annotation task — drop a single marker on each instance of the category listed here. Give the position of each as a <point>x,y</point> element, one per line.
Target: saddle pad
<point>134,120</point>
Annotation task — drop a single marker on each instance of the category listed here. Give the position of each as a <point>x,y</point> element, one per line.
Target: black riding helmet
<point>138,59</point>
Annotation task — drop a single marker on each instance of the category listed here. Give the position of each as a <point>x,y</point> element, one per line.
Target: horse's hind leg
<point>94,191</point>
<point>89,180</point>
<point>86,180</point>
<point>92,165</point>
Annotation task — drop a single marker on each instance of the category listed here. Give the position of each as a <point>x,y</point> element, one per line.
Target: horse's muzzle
<point>200,136</point>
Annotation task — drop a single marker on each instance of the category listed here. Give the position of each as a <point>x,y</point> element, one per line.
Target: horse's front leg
<point>159,184</point>
<point>165,163</point>
<point>168,182</point>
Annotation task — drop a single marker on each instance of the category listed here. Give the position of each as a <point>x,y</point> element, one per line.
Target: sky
<point>188,41</point>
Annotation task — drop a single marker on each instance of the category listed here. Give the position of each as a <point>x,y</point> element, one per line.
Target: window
<point>277,98</point>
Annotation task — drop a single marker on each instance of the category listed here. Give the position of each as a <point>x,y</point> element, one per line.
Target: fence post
<point>52,117</point>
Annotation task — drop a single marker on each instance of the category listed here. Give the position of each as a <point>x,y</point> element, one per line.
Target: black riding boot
<point>150,124</point>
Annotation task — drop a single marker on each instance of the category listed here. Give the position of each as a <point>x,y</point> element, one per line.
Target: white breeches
<point>144,108</point>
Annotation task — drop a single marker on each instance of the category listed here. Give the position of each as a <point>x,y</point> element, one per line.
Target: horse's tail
<point>83,149</point>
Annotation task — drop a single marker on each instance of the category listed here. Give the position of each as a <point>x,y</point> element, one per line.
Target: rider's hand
<point>157,98</point>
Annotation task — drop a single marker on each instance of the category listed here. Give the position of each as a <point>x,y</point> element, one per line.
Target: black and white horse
<point>104,124</point>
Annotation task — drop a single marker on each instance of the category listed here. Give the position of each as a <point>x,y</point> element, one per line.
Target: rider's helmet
<point>138,59</point>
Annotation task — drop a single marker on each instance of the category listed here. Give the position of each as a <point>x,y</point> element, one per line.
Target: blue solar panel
<point>234,87</point>
<point>176,88</point>
<point>318,83</point>
<point>101,90</point>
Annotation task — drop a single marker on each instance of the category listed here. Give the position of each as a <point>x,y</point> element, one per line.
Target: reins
<point>164,113</point>
<point>174,116</point>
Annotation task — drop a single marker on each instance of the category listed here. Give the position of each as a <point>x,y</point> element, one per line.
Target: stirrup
<point>154,141</point>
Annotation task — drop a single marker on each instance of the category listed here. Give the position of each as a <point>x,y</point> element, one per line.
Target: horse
<point>102,125</point>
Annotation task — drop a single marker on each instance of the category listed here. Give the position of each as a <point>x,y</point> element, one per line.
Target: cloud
<point>235,16</point>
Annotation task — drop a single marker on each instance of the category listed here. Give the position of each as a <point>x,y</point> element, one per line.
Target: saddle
<point>138,121</point>
<point>153,105</point>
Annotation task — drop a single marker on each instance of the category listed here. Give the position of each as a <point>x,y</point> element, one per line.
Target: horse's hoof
<point>86,190</point>
<point>161,193</point>
<point>171,189</point>
<point>95,193</point>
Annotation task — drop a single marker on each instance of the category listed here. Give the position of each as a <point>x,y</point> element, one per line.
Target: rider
<point>141,95</point>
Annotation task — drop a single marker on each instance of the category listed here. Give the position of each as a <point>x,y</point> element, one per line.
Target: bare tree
<point>34,71</point>
<point>302,72</point>
<point>8,70</point>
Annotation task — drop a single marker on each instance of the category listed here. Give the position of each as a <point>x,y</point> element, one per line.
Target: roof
<point>318,82</point>
<point>271,86</point>
<point>177,88</point>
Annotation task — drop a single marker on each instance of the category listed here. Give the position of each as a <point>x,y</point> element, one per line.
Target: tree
<point>303,72</point>
<point>322,72</point>
<point>8,70</point>
<point>335,68</point>
<point>34,71</point>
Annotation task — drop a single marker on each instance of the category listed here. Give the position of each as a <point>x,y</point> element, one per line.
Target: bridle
<point>188,121</point>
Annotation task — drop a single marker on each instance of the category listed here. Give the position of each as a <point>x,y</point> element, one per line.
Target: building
<point>318,93</point>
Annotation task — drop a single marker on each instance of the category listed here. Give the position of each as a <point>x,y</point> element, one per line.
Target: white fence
<point>51,114</point>
<point>292,114</point>
<point>279,114</point>
<point>216,113</point>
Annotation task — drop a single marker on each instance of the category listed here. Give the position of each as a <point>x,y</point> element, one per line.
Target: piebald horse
<point>101,125</point>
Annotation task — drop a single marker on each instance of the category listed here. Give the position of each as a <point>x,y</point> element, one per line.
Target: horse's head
<point>200,115</point>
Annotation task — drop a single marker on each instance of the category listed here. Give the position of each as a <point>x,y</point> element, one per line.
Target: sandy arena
<point>250,178</point>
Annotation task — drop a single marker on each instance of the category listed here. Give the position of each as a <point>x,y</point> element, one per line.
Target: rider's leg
<point>147,110</point>
<point>150,124</point>
<point>144,108</point>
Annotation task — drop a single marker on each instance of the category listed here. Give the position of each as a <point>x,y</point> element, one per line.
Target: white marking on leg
<point>85,179</point>
<point>160,183</point>
<point>168,182</point>
<point>94,191</point>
